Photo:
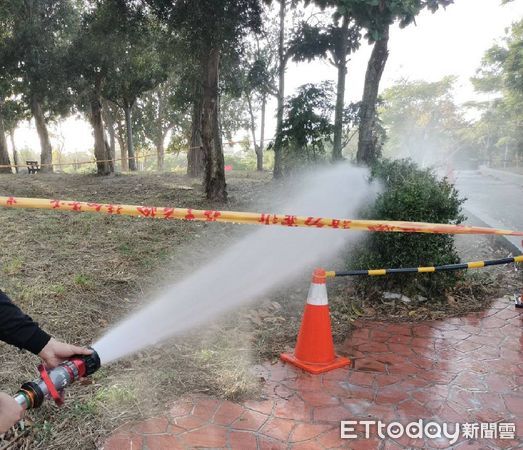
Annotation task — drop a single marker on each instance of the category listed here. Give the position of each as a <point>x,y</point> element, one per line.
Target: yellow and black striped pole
<point>430,269</point>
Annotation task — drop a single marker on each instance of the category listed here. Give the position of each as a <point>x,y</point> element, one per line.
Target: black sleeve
<point>18,329</point>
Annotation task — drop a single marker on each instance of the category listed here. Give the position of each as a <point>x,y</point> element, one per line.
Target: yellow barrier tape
<point>154,212</point>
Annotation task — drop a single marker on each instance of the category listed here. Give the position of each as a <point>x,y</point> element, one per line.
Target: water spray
<point>51,384</point>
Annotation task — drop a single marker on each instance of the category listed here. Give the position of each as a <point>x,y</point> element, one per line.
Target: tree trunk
<point>257,146</point>
<point>195,153</point>
<point>109,121</point>
<point>4,153</point>
<point>261,147</point>
<point>16,157</point>
<point>129,132</point>
<point>120,137</point>
<point>46,155</point>
<point>103,166</point>
<point>341,64</point>
<point>281,93</point>
<point>161,153</point>
<point>161,134</point>
<point>215,186</point>
<point>109,152</point>
<point>367,151</point>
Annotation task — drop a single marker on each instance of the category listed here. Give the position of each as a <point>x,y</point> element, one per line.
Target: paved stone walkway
<point>467,369</point>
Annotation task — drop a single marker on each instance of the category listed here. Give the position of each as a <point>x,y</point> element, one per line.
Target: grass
<point>77,274</point>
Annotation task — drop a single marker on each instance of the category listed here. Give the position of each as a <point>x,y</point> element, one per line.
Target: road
<point>493,198</point>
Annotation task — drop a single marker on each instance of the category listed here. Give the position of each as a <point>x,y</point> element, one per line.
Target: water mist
<point>257,264</point>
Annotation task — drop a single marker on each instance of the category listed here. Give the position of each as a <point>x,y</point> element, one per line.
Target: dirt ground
<point>78,273</point>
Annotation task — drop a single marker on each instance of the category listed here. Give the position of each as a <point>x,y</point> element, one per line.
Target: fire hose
<point>51,384</point>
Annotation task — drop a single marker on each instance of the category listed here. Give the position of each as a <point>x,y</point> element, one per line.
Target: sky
<point>448,42</point>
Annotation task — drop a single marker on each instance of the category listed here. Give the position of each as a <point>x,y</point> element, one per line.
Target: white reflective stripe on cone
<point>317,295</point>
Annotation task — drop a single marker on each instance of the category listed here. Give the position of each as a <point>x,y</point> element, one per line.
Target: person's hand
<point>55,352</point>
<point>10,412</point>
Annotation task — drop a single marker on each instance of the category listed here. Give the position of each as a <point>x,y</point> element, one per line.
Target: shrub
<point>413,194</point>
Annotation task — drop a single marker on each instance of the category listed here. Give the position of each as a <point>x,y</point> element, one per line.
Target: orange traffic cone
<point>314,351</point>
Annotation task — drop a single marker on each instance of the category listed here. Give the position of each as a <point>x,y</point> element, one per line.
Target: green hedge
<point>413,194</point>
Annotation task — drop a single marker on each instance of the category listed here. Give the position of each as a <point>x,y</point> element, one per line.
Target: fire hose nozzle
<point>51,384</point>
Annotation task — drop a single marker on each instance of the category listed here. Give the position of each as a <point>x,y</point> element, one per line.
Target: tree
<point>5,83</point>
<point>283,57</point>
<point>376,16</point>
<point>158,112</point>
<point>142,62</point>
<point>337,41</point>
<point>307,125</point>
<point>91,61</point>
<point>4,152</point>
<point>41,33</point>
<point>115,119</point>
<point>258,73</point>
<point>13,113</point>
<point>225,23</point>
<point>501,75</point>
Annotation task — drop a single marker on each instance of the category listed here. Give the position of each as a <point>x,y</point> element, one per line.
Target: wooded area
<point>143,71</point>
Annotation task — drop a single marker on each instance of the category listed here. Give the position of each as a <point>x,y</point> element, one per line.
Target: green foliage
<point>307,125</point>
<point>204,24</point>
<point>499,130</point>
<point>309,42</point>
<point>36,34</point>
<point>159,112</point>
<point>410,194</point>
<point>377,15</point>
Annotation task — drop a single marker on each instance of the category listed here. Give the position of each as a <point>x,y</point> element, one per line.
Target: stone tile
<point>514,403</point>
<point>413,410</point>
<point>292,409</point>
<point>181,408</point>
<point>307,446</point>
<point>307,431</point>
<point>374,347</point>
<point>227,413</point>
<point>361,378</point>
<point>278,428</point>
<point>467,369</point>
<point>188,422</point>
<point>249,420</point>
<point>163,442</point>
<point>369,365</point>
<point>319,398</point>
<point>261,406</point>
<point>154,425</point>
<point>205,408</point>
<point>265,443</point>
<point>123,441</point>
<point>330,414</point>
<point>331,439</point>
<point>209,436</point>
<point>242,440</point>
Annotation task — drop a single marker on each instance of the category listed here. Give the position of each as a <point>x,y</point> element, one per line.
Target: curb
<point>502,175</point>
<point>512,244</point>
